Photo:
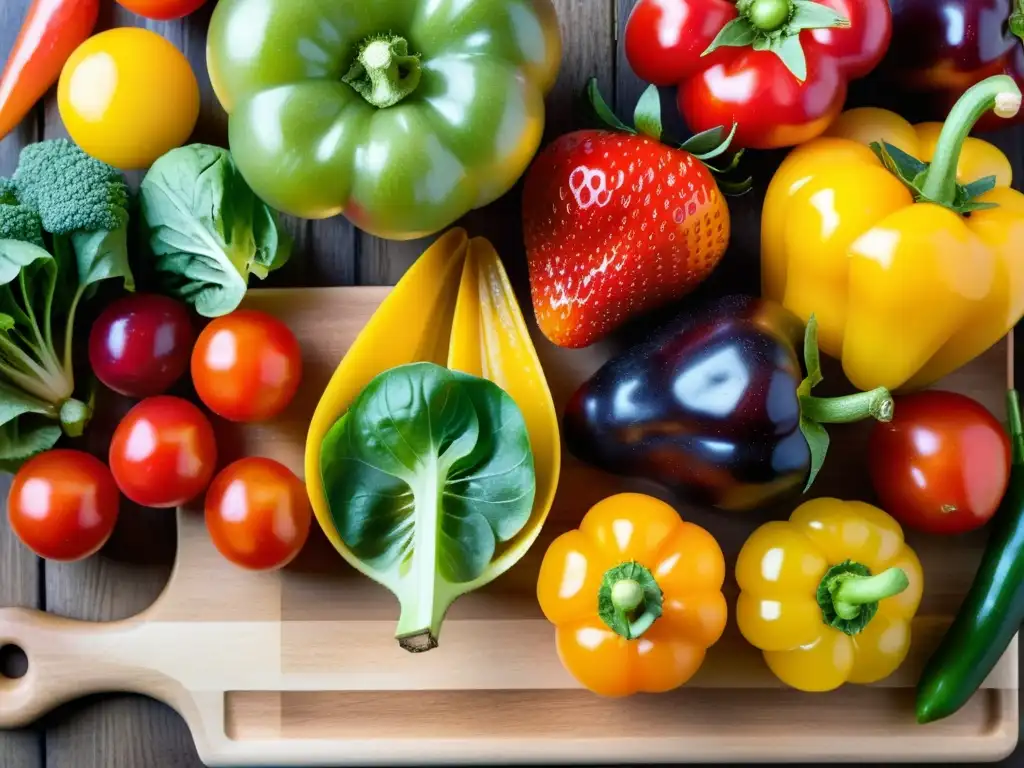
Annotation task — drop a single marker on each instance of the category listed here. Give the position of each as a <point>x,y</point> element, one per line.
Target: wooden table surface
<point>131,732</point>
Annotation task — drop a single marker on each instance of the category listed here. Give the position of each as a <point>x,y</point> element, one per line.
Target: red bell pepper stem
<point>998,93</point>
<point>51,32</point>
<point>769,15</point>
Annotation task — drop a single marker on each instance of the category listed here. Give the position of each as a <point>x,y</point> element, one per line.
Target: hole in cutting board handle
<point>13,662</point>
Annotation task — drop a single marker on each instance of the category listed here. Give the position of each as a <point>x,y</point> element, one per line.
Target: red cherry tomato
<point>163,10</point>
<point>163,453</point>
<point>258,514</point>
<point>942,464</point>
<point>63,504</point>
<point>140,345</point>
<point>246,366</point>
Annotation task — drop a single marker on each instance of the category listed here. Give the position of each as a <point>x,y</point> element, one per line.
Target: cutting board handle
<point>67,659</point>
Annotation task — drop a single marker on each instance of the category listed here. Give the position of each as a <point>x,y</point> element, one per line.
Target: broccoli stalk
<point>73,211</point>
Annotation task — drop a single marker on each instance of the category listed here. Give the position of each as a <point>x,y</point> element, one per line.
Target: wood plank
<point>20,570</point>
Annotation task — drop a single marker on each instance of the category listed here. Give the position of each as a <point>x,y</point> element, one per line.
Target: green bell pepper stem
<point>857,591</point>
<point>998,93</point>
<point>384,72</point>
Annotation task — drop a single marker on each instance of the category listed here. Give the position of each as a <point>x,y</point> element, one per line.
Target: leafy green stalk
<point>63,229</point>
<point>425,475</point>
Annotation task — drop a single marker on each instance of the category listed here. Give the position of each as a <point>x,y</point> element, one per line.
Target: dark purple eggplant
<point>940,48</point>
<point>715,407</point>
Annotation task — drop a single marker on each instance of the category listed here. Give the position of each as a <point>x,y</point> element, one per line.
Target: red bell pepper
<point>51,32</point>
<point>778,69</point>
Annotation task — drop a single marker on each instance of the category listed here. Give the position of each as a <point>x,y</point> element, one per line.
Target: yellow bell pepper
<point>828,595</point>
<point>912,270</point>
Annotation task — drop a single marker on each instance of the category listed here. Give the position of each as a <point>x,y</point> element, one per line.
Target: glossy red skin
<point>246,366</point>
<point>616,225</point>
<point>141,344</point>
<point>163,453</point>
<point>942,47</point>
<point>258,514</point>
<point>63,505</point>
<point>162,10</point>
<point>50,33</point>
<point>664,41</point>
<point>942,465</point>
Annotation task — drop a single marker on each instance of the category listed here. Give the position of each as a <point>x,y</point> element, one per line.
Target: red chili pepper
<point>778,69</point>
<point>52,30</point>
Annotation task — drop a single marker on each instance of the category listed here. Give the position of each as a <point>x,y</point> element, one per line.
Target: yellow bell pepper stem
<point>998,93</point>
<point>629,600</point>
<point>849,595</point>
<point>854,593</point>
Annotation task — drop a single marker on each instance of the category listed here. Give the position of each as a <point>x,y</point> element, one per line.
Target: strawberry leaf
<point>602,110</point>
<point>703,142</point>
<point>647,116</point>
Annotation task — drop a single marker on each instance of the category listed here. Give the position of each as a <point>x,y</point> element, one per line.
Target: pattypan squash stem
<point>629,600</point>
<point>877,404</point>
<point>384,71</point>
<point>1017,19</point>
<point>767,15</point>
<point>999,93</point>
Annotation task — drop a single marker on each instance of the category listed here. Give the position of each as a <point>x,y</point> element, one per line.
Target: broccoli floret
<point>18,222</point>
<point>71,190</point>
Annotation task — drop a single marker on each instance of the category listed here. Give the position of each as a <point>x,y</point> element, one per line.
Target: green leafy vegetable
<point>426,475</point>
<point>63,224</point>
<point>207,229</point>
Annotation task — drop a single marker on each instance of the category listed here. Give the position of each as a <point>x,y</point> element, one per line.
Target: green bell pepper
<point>403,115</point>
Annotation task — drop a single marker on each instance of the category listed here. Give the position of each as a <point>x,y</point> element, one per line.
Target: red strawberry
<point>617,224</point>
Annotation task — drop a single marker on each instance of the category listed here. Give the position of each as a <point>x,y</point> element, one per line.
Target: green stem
<point>998,93</point>
<point>1015,428</point>
<point>629,600</point>
<point>856,591</point>
<point>384,71</point>
<point>848,594</point>
<point>877,403</point>
<point>74,417</point>
<point>767,15</point>
<point>1017,19</point>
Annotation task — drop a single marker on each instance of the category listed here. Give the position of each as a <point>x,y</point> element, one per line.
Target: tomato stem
<point>999,94</point>
<point>384,71</point>
<point>768,15</point>
<point>629,600</point>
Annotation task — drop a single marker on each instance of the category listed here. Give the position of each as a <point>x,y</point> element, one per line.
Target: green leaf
<point>426,475</point>
<point>789,49</point>
<point>736,34</point>
<point>14,403</point>
<point>647,117</point>
<point>967,192</point>
<point>722,148</point>
<point>817,441</point>
<point>23,438</point>
<point>973,206</point>
<point>207,229</point>
<point>703,142</point>
<point>602,110</point>
<point>813,15</point>
<point>812,355</point>
<point>762,43</point>
<point>102,255</point>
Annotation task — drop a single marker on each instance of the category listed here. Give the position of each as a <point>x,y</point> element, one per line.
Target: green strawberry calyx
<point>705,146</point>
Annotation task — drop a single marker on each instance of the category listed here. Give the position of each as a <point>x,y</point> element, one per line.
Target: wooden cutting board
<point>301,667</point>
